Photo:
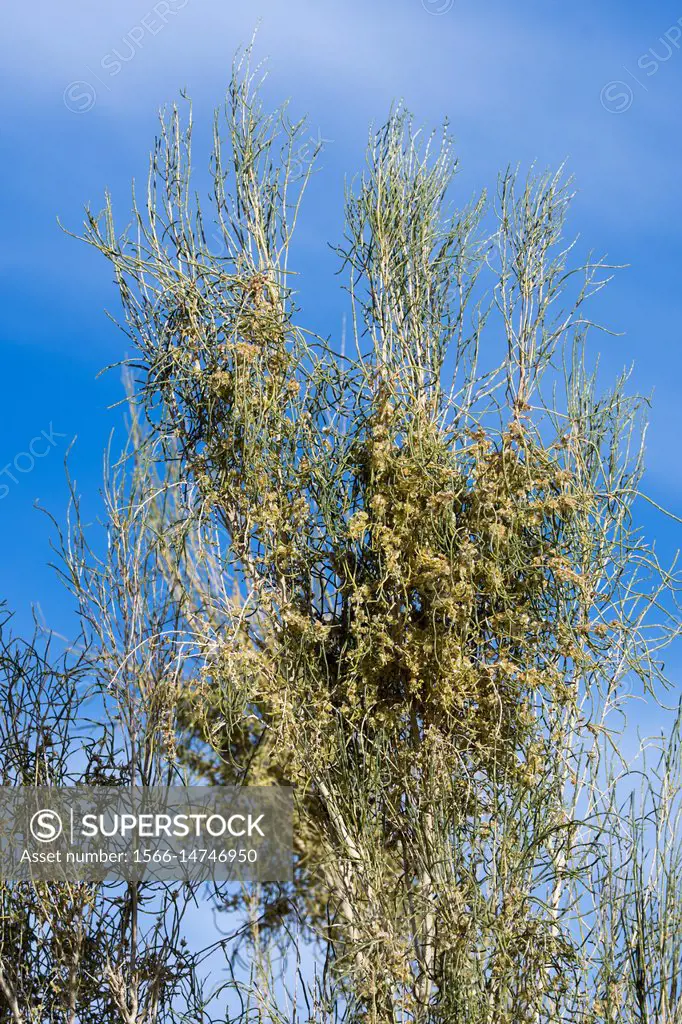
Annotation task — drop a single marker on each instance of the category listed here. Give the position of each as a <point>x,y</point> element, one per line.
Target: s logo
<point>46,826</point>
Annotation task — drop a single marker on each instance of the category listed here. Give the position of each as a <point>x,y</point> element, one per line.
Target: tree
<point>408,580</point>
<point>75,951</point>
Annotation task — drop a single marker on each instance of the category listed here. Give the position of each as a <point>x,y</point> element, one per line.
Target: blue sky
<point>596,85</point>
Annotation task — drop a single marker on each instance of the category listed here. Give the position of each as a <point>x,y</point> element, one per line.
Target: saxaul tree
<point>79,952</point>
<point>407,579</point>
